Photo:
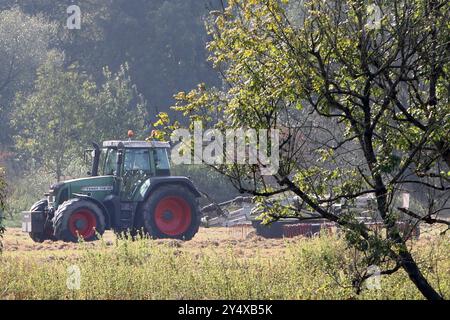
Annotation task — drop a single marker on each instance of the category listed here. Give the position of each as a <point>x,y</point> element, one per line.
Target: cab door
<point>136,169</point>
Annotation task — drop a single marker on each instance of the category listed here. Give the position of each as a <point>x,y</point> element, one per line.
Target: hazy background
<point>60,89</point>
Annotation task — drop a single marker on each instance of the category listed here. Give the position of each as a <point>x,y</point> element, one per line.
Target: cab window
<point>110,162</point>
<point>162,165</point>
<point>137,160</point>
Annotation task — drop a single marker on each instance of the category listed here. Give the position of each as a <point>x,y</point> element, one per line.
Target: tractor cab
<point>131,163</point>
<point>139,158</point>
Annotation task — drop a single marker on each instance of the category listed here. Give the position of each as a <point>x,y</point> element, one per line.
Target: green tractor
<point>129,190</point>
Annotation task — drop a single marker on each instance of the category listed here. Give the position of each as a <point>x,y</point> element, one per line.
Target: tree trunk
<point>414,274</point>
<point>408,263</point>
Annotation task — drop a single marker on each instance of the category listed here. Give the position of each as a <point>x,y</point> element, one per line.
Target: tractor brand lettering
<point>235,146</point>
<point>97,188</point>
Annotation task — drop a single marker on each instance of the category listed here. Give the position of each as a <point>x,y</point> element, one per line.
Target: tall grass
<point>307,269</point>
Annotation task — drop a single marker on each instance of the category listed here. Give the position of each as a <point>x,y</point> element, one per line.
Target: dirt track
<point>241,239</point>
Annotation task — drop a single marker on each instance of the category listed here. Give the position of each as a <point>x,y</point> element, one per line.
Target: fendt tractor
<point>129,190</point>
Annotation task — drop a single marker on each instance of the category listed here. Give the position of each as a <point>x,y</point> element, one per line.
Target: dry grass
<point>218,263</point>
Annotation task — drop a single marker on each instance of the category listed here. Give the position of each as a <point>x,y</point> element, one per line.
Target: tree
<point>52,121</point>
<point>2,204</point>
<point>162,40</point>
<point>24,42</point>
<point>359,91</point>
<point>67,111</point>
<point>119,107</point>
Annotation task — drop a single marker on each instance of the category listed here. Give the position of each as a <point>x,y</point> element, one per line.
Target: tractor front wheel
<point>171,211</point>
<point>78,218</point>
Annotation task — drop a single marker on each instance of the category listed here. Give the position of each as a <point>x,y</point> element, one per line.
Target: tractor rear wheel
<point>40,206</point>
<point>78,218</point>
<point>171,211</point>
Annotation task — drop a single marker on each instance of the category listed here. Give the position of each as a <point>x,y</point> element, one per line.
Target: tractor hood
<point>95,187</point>
<point>91,184</point>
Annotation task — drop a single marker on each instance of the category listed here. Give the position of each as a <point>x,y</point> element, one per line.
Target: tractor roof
<point>136,144</point>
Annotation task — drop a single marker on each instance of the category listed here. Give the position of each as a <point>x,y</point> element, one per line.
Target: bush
<point>30,187</point>
<point>207,180</point>
<point>306,269</point>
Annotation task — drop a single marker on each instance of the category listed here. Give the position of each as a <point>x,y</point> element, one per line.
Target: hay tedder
<point>243,211</point>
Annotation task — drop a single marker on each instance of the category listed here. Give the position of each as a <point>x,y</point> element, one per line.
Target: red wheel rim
<point>173,215</point>
<point>82,223</point>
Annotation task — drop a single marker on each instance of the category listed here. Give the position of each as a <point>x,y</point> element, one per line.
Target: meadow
<point>218,263</point>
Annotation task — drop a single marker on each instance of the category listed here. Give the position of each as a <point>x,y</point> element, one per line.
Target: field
<point>219,263</point>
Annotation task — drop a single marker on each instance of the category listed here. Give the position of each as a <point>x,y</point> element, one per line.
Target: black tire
<point>186,207</point>
<point>40,237</point>
<point>78,210</point>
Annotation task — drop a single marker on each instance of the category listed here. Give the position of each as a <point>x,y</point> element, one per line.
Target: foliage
<point>321,268</point>
<point>118,107</point>
<point>207,180</point>
<point>361,105</point>
<point>67,111</point>
<point>163,41</point>
<point>2,204</point>
<point>27,188</point>
<point>51,121</point>
<point>24,42</point>
<point>361,109</point>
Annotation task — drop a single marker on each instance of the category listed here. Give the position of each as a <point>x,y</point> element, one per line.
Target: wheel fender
<point>153,183</point>
<point>99,204</point>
